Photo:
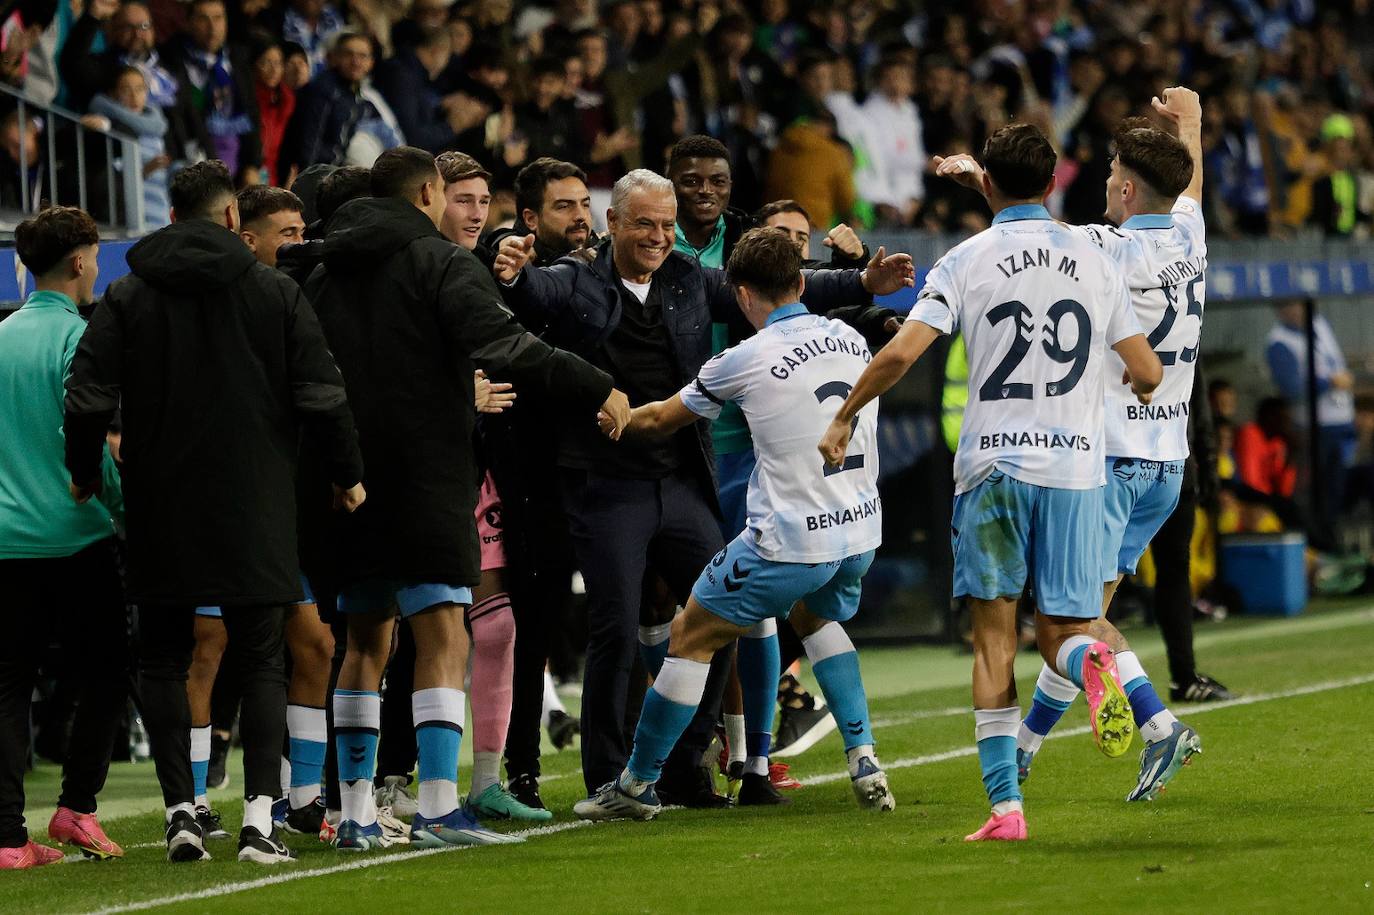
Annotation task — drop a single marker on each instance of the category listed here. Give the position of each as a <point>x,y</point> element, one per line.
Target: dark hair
<point>766,261</point>
<point>532,180</point>
<point>197,191</point>
<point>697,146</point>
<point>340,186</point>
<point>811,58</point>
<point>1159,158</point>
<point>125,71</point>
<point>1019,160</point>
<point>290,49</point>
<point>45,240</point>
<point>769,210</point>
<point>260,201</point>
<point>400,172</point>
<point>457,166</point>
<point>1219,384</point>
<point>191,7</point>
<point>548,66</point>
<point>337,39</point>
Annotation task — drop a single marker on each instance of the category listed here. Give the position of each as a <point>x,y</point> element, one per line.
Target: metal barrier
<point>122,185</point>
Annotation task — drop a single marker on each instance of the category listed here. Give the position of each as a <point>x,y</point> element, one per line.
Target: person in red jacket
<point>276,102</point>
<point>1262,461</point>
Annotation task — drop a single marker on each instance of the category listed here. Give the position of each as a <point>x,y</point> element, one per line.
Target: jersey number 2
<point>998,388</point>
<point>841,390</point>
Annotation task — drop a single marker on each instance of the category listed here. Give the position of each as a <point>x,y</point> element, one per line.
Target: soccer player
<point>1038,304</point>
<point>811,530</point>
<point>1154,195</point>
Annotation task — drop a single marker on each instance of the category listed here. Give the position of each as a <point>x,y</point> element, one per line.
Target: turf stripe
<point>377,861</point>
<point>907,763</point>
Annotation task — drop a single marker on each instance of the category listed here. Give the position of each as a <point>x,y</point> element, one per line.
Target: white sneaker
<point>870,786</point>
<point>394,794</point>
<point>395,832</point>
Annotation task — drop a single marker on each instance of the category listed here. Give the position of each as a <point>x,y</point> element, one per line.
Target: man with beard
<point>553,204</point>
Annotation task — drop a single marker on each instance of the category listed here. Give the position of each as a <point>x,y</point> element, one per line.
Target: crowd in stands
<point>839,103</point>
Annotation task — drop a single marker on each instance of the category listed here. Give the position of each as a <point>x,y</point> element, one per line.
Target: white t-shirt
<point>1038,305</point>
<point>789,379</point>
<point>638,290</point>
<point>1164,258</point>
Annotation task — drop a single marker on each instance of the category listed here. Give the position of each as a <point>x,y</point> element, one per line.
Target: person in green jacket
<point>58,571</point>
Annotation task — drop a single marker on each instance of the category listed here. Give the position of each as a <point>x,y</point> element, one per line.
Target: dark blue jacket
<point>577,306</point>
<point>414,100</point>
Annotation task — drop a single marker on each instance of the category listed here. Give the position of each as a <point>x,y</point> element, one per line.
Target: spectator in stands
<point>552,204</point>
<point>699,167</point>
<point>416,84</point>
<point>310,24</point>
<point>276,104</point>
<point>182,384</point>
<point>424,18</point>
<point>1336,195</point>
<point>809,166</point>
<point>58,567</point>
<point>1264,466</point>
<point>1222,398</point>
<point>20,36</point>
<point>127,108</point>
<point>1286,354</point>
<point>1237,161</point>
<point>297,66</point>
<point>547,119</point>
<point>1090,149</point>
<point>340,117</point>
<point>220,79</point>
<point>891,179</point>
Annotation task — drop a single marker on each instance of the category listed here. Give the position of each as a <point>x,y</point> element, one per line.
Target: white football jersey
<point>1038,305</point>
<point>1164,258</point>
<point>789,380</point>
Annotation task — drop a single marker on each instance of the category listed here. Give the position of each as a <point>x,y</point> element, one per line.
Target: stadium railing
<point>62,135</point>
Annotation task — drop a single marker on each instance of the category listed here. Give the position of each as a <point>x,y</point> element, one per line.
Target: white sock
<point>756,765</point>
<point>734,735</point>
<point>175,808</point>
<point>358,802</point>
<point>1160,725</point>
<point>1061,660</point>
<point>200,753</point>
<point>486,771</point>
<point>286,778</point>
<point>1002,808</point>
<point>437,797</point>
<point>854,754</point>
<point>551,701</point>
<point>631,785</point>
<point>257,812</point>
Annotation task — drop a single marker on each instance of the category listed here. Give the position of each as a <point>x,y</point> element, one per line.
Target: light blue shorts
<point>409,598</point>
<point>216,613</point>
<point>743,588</point>
<point>1006,532</point>
<point>1140,497</point>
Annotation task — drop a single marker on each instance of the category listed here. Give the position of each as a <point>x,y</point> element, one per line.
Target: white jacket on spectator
<point>891,134</point>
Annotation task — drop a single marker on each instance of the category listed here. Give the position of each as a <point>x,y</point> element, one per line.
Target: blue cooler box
<point>1269,571</point>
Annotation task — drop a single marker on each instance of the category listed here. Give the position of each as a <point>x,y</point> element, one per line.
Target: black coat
<point>410,315</point>
<point>579,305</point>
<point>217,362</point>
<point>245,89</point>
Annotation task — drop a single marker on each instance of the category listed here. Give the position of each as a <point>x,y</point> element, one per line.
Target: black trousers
<point>620,528</point>
<point>1173,587</point>
<point>396,748</point>
<point>77,601</point>
<point>166,639</point>
<point>541,598</point>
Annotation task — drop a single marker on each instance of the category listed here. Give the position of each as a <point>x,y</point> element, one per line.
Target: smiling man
<point>643,312</point>
<point>269,217</point>
<point>467,195</point>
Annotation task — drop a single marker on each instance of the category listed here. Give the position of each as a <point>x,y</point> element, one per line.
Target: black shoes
<point>184,839</point>
<point>563,729</point>
<point>758,791</point>
<point>218,775</point>
<point>525,789</point>
<point>208,821</point>
<point>263,849</point>
<point>1202,689</point>
<point>696,790</point>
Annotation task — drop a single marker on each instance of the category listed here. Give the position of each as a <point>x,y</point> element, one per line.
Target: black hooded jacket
<point>410,316</point>
<point>217,362</point>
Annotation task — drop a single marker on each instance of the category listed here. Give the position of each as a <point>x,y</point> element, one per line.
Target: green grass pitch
<point>1277,815</point>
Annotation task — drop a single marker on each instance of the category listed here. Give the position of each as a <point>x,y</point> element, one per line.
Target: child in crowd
<point>127,109</point>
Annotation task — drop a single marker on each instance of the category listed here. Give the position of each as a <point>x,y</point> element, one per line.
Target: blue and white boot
<point>457,828</point>
<point>870,786</point>
<point>352,837</point>
<point>1162,760</point>
<point>612,802</point>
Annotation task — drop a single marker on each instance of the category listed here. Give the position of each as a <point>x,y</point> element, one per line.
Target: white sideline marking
<point>379,861</point>
<point>1193,710</point>
<point>376,861</point>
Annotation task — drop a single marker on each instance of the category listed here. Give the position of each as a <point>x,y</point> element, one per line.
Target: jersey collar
<point>1021,211</point>
<point>785,312</point>
<point>1149,221</point>
<point>48,298</point>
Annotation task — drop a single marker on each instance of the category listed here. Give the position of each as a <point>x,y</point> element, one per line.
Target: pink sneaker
<point>83,831</point>
<point>28,856</point>
<point>1009,827</point>
<point>1108,707</point>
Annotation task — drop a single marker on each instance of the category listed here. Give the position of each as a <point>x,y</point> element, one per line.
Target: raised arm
<point>1182,106</point>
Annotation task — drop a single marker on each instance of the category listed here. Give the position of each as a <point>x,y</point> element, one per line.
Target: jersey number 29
<point>998,388</point>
